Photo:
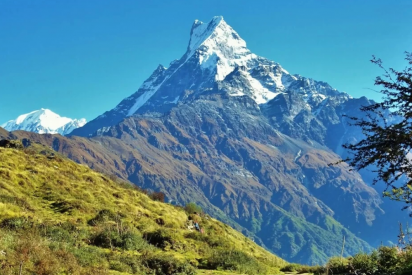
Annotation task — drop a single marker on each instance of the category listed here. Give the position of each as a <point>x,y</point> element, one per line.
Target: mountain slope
<point>163,156</point>
<point>63,224</point>
<point>44,121</point>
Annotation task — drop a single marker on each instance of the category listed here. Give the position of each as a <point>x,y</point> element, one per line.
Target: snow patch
<point>176,100</point>
<point>141,100</point>
<point>298,155</point>
<point>261,94</point>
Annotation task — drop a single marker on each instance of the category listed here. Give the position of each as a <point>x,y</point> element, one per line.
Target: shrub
<point>167,265</point>
<point>128,240</point>
<point>157,196</point>
<point>16,223</point>
<point>364,263</point>
<point>337,265</point>
<point>388,260</point>
<point>133,241</point>
<point>234,260</point>
<point>107,239</point>
<point>57,234</point>
<point>291,268</point>
<point>192,208</point>
<point>160,238</point>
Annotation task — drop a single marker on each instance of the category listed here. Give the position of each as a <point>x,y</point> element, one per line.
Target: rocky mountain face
<point>250,142</point>
<point>44,121</point>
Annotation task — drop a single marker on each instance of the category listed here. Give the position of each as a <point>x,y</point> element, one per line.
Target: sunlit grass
<point>50,206</point>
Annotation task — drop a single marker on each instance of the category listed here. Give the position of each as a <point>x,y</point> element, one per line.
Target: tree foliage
<point>383,261</point>
<point>387,127</point>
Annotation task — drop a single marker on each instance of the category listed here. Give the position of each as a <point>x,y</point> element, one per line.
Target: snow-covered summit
<point>44,121</point>
<point>218,47</point>
<point>201,31</point>
<point>215,50</point>
<point>216,60</point>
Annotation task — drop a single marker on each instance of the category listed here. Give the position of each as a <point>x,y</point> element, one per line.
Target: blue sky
<point>80,58</point>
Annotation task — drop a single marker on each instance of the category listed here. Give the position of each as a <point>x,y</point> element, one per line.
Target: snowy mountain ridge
<point>44,121</point>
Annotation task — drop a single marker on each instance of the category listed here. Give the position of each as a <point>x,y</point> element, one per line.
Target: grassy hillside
<point>59,217</point>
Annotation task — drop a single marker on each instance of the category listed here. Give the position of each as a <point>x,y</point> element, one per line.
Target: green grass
<point>59,217</point>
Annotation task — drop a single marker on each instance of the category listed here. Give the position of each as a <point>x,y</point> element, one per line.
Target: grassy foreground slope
<point>59,217</point>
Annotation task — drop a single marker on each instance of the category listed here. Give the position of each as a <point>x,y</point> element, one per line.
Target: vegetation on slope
<point>59,217</point>
<point>383,261</point>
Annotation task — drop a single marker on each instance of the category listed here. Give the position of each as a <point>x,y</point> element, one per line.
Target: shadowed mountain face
<point>251,143</point>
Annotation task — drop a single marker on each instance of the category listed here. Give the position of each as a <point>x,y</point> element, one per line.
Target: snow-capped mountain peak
<point>216,32</point>
<point>44,121</point>
<point>218,46</point>
<point>216,60</point>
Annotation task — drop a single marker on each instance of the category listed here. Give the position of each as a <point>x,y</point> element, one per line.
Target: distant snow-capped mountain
<point>44,121</point>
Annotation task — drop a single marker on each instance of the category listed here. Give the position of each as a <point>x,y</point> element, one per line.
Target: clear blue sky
<point>80,58</point>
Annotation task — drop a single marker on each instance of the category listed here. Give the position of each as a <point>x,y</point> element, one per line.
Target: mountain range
<point>248,141</point>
